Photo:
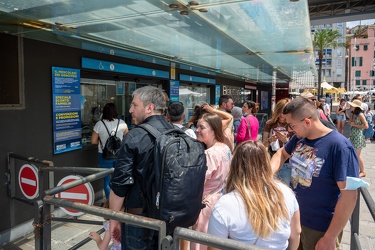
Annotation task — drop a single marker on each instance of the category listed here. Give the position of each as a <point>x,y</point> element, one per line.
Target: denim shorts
<point>340,117</point>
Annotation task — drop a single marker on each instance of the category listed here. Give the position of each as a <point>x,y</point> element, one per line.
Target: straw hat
<point>356,104</point>
<point>308,95</point>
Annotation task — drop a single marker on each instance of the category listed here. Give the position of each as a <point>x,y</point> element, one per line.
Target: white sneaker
<point>368,141</point>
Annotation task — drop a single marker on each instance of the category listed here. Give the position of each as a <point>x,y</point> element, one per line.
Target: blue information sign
<point>174,91</point>
<point>217,94</point>
<point>66,100</point>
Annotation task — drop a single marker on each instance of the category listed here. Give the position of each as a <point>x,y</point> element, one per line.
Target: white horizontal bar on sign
<point>28,181</point>
<point>76,196</point>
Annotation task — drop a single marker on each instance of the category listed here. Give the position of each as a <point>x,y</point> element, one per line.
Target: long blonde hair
<point>252,178</point>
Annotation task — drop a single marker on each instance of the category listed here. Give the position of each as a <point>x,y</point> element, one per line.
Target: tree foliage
<point>323,39</point>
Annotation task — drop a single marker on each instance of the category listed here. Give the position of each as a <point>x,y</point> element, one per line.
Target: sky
<point>363,22</point>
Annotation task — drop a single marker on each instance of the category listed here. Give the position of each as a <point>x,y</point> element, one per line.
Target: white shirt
<point>111,125</point>
<point>229,220</point>
<point>188,131</point>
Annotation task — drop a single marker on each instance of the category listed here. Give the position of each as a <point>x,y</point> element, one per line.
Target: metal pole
<point>354,222</point>
<point>273,98</point>
<point>74,169</point>
<point>348,70</point>
<point>208,239</point>
<point>75,183</point>
<point>38,222</point>
<point>355,64</point>
<point>131,219</point>
<point>46,226</point>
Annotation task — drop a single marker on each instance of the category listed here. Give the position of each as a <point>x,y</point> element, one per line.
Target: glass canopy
<point>242,39</point>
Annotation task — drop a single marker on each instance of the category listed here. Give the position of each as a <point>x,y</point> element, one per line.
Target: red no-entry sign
<point>29,181</point>
<point>83,194</point>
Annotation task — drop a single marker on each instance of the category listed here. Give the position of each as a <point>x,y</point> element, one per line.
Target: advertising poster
<point>174,91</point>
<point>66,101</point>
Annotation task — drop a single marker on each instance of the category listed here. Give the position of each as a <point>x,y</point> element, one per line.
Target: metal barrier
<point>208,239</point>
<point>131,219</point>
<point>354,220</point>
<point>43,218</point>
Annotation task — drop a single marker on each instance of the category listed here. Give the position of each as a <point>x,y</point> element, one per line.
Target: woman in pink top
<point>210,132</point>
<point>249,126</point>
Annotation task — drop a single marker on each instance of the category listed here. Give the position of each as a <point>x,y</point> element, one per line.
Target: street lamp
<point>355,64</point>
<point>348,70</point>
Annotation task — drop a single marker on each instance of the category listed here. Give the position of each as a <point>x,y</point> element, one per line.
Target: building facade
<point>334,60</point>
<point>362,54</point>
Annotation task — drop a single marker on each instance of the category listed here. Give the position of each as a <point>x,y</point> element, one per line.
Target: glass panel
<point>245,39</point>
<point>94,95</point>
<point>191,96</point>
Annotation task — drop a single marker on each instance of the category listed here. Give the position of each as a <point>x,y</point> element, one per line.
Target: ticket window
<point>191,96</point>
<point>96,93</point>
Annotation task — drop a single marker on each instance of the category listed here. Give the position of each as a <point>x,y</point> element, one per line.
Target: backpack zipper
<point>158,198</point>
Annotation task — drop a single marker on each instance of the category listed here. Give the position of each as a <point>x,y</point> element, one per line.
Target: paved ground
<point>66,235</point>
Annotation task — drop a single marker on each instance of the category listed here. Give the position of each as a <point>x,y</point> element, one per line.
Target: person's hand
<point>282,136</point>
<point>325,243</point>
<point>95,236</point>
<point>272,138</point>
<point>116,231</point>
<point>206,107</point>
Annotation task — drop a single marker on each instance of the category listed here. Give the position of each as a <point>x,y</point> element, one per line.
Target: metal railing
<point>354,220</point>
<point>43,217</point>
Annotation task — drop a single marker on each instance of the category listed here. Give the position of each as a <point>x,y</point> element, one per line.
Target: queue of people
<point>288,191</point>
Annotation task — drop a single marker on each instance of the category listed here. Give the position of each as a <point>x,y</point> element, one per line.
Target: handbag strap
<point>248,127</point>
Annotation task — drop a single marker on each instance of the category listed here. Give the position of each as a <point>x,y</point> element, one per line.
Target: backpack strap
<point>156,133</point>
<point>150,129</point>
<point>109,134</point>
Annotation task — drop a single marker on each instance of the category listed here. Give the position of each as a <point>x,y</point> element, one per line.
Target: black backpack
<point>176,179</point>
<point>112,145</point>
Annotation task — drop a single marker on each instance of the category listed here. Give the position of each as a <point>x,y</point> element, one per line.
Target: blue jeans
<point>285,173</point>
<point>103,163</point>
<point>137,238</point>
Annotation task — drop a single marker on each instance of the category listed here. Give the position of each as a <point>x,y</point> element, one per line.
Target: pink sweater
<point>242,131</point>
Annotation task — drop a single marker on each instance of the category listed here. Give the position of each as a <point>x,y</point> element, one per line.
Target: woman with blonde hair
<point>276,134</point>
<point>257,209</point>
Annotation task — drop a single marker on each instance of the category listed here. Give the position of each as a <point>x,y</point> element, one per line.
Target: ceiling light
<point>184,12</point>
<point>293,1</point>
<point>173,6</point>
<point>193,3</point>
<point>203,10</point>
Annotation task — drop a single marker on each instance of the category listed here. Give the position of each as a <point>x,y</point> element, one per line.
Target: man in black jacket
<point>132,167</point>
